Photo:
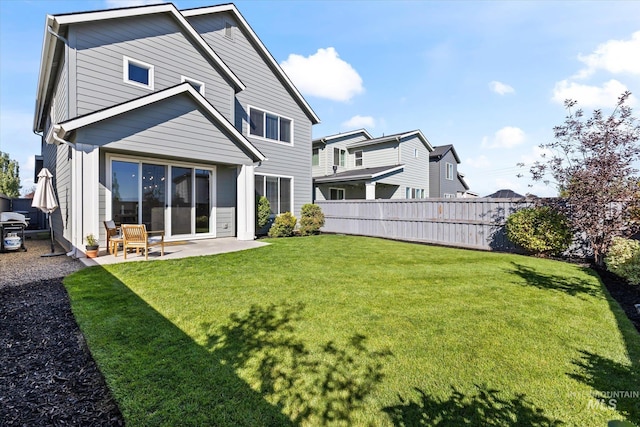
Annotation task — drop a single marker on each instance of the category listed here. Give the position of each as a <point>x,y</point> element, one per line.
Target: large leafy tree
<point>592,162</point>
<point>9,176</point>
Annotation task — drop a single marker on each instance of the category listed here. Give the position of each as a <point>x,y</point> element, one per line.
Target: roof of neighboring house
<point>441,150</point>
<point>462,181</point>
<point>504,194</point>
<point>358,174</point>
<point>55,24</point>
<point>324,139</point>
<point>395,137</point>
<point>58,132</point>
<point>253,37</point>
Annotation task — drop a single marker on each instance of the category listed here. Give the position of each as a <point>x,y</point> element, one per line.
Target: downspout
<point>56,35</point>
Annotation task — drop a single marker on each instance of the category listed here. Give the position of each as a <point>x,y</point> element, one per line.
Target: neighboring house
<point>173,119</point>
<point>504,194</point>
<point>444,178</point>
<point>354,165</point>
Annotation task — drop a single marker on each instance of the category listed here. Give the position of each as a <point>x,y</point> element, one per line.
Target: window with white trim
<point>270,126</point>
<point>137,73</point>
<point>197,85</point>
<point>339,157</point>
<point>315,157</point>
<point>336,194</point>
<point>277,189</point>
<point>415,153</point>
<point>228,30</point>
<point>449,171</point>
<point>358,156</point>
<point>449,196</point>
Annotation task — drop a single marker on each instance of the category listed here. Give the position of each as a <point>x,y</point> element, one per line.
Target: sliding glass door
<point>177,199</point>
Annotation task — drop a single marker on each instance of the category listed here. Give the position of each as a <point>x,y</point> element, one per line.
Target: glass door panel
<point>153,196</point>
<point>124,192</point>
<point>203,200</point>
<point>181,200</point>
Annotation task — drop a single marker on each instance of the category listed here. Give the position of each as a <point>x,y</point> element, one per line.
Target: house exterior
<point>444,178</point>
<point>176,119</point>
<point>354,165</point>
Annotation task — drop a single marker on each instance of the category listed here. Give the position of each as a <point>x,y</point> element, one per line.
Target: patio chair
<point>137,237</point>
<point>114,236</point>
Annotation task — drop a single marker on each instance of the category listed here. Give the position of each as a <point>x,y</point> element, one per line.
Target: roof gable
<point>344,135</point>
<point>399,137</point>
<point>441,151</point>
<point>262,50</point>
<point>60,131</point>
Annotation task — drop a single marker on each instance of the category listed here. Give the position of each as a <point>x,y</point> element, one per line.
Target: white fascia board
<point>384,172</point>
<point>46,62</point>
<point>342,135</point>
<point>424,139</point>
<point>254,37</point>
<point>107,113</point>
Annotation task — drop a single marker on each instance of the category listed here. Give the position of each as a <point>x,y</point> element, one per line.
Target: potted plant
<point>91,246</point>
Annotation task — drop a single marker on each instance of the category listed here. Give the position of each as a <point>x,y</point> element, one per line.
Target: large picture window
<point>270,126</point>
<point>277,189</point>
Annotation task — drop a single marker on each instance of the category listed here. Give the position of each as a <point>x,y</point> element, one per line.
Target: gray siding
<point>170,128</point>
<point>441,185</point>
<point>61,95</point>
<point>467,223</point>
<point>57,158</point>
<point>264,91</point>
<point>155,40</point>
<point>226,201</point>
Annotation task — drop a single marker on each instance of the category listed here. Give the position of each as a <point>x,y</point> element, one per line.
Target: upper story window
<point>449,171</point>
<point>270,126</point>
<point>197,85</point>
<point>358,156</point>
<point>416,153</point>
<point>228,30</point>
<point>315,157</point>
<point>339,157</point>
<point>137,73</point>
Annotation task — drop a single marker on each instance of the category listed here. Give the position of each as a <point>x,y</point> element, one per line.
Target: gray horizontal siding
<point>264,91</point>
<point>155,40</point>
<point>467,223</point>
<point>170,128</point>
<point>440,170</point>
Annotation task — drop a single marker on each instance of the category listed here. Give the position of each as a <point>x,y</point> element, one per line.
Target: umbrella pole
<point>51,231</point>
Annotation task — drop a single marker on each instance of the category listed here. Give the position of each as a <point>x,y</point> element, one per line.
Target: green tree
<point>9,176</point>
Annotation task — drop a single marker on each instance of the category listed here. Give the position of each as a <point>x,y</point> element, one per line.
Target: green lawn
<point>356,331</point>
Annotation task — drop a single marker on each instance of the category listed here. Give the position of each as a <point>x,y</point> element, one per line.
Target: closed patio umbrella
<point>45,200</point>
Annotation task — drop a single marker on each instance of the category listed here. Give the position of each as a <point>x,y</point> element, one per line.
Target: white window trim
<point>293,202</point>
<point>446,172</point>
<point>125,72</point>
<point>318,157</point>
<point>190,80</point>
<point>355,158</point>
<point>342,155</point>
<point>228,30</point>
<point>344,193</point>
<point>263,138</point>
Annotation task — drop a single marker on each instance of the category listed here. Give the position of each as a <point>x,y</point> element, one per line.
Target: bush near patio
<point>311,219</point>
<point>623,259</point>
<point>408,334</point>
<point>283,226</point>
<point>539,230</point>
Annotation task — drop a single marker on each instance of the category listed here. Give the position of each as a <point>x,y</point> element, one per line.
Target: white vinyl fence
<point>467,223</point>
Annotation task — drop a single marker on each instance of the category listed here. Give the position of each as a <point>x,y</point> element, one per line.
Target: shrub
<point>623,259</point>
<point>311,219</point>
<point>263,212</point>
<point>283,226</point>
<point>539,230</point>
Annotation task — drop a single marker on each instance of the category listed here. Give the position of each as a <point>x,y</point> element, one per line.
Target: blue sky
<point>488,77</point>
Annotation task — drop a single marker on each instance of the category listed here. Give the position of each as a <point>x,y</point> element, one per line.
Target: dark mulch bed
<point>47,375</point>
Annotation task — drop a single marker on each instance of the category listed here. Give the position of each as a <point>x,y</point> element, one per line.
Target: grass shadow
<point>570,285</point>
<point>483,407</point>
<point>319,385</point>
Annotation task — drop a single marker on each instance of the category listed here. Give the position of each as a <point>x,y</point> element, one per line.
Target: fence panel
<point>466,223</point>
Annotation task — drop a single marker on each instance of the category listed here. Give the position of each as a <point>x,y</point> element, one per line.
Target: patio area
<point>177,249</point>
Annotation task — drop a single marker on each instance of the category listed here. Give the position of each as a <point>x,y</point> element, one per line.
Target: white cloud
<point>130,3</point>
<point>324,75</point>
<point>358,121</point>
<point>501,88</point>
<point>614,56</point>
<point>507,137</point>
<point>590,96</point>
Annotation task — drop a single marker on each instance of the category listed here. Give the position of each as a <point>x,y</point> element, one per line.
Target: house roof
<point>441,150</point>
<point>462,181</point>
<point>504,194</point>
<point>358,174</point>
<point>324,139</point>
<point>395,137</point>
<point>58,132</point>
<point>253,37</point>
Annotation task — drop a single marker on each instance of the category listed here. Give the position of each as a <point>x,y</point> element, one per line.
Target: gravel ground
<point>47,374</point>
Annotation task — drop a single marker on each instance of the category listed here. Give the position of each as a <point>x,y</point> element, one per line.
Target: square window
<point>137,73</point>
<point>336,194</point>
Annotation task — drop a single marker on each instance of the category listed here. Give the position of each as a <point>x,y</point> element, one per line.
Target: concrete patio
<point>177,249</point>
